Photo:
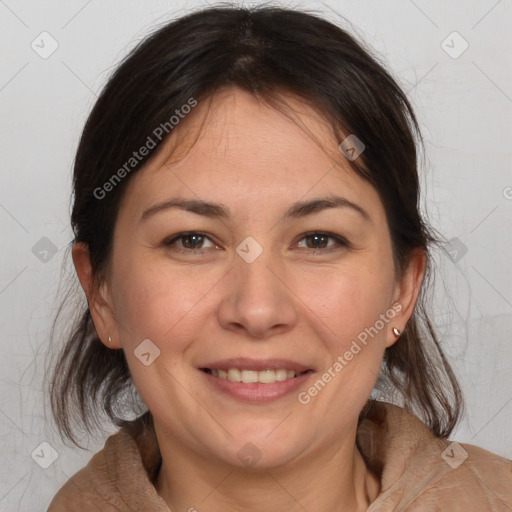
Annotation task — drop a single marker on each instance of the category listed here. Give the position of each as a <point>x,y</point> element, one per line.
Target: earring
<point>110,340</point>
<point>396,331</point>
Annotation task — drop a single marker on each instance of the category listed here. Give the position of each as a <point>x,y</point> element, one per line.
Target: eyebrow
<point>297,210</point>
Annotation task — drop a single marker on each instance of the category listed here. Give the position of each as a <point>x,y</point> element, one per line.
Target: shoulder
<point>117,478</point>
<point>470,477</point>
<point>421,472</point>
<point>93,487</point>
<point>79,493</point>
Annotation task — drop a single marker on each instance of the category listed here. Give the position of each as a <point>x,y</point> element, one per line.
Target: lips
<point>243,363</point>
<point>256,386</point>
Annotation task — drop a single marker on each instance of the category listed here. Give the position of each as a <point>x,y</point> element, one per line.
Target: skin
<point>292,302</point>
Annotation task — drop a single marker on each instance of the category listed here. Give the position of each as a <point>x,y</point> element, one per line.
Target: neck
<point>334,480</point>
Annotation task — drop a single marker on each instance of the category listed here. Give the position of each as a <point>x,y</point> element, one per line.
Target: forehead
<point>234,148</point>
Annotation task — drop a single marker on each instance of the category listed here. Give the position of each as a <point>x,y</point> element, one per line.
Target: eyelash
<point>341,242</point>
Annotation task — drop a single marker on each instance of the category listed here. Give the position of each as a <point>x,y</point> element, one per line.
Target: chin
<point>257,453</point>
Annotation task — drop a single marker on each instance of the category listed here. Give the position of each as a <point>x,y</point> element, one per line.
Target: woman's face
<point>263,282</point>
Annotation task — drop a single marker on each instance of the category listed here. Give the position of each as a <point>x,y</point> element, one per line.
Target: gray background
<point>463,102</point>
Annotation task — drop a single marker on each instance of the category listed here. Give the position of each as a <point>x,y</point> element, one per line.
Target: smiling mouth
<point>268,376</point>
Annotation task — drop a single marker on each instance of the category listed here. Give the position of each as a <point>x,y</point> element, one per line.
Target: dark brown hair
<point>267,51</point>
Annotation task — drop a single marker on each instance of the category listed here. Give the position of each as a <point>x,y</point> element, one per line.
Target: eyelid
<point>168,242</point>
<point>340,241</point>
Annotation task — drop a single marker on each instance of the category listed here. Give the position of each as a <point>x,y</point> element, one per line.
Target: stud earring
<point>396,331</point>
<point>110,340</point>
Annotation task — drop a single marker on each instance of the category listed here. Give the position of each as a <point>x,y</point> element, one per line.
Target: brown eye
<point>318,240</point>
<point>189,242</point>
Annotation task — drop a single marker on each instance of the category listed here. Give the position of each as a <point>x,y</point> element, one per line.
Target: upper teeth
<point>249,376</point>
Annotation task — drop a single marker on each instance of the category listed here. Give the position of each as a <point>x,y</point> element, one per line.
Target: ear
<point>98,297</point>
<point>406,293</point>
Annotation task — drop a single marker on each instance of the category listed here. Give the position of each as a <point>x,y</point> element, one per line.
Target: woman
<point>248,237</point>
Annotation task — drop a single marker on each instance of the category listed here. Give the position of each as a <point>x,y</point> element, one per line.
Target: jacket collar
<point>392,441</point>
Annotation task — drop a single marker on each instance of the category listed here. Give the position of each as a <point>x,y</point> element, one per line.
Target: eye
<point>192,241</point>
<point>319,240</point>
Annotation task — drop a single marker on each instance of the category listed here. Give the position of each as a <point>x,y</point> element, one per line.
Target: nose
<point>258,302</point>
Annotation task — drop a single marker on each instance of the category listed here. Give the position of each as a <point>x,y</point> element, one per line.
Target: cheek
<point>349,303</point>
<point>346,310</point>
<point>158,304</point>
<point>156,301</point>
<point>168,308</point>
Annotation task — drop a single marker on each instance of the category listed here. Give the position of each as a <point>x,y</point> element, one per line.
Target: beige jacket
<point>418,472</point>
